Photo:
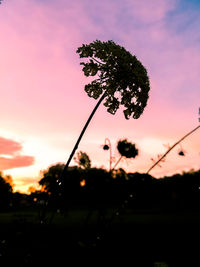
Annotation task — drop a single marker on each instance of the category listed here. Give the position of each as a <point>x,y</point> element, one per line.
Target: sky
<point>43,102</point>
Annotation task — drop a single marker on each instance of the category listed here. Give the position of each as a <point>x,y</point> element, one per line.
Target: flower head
<point>83,160</point>
<point>181,153</point>
<point>120,75</point>
<point>127,149</point>
<point>106,147</point>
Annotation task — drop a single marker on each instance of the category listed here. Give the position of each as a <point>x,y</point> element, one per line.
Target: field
<point>147,238</point>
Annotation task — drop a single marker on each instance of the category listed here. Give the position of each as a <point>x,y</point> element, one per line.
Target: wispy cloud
<point>9,147</point>
<point>10,155</point>
<point>15,162</point>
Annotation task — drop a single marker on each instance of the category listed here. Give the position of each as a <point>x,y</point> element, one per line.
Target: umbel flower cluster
<point>127,149</point>
<point>120,76</point>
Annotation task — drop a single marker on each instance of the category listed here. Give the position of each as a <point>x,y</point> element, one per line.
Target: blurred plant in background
<point>181,152</point>
<point>83,160</point>
<point>107,146</point>
<point>126,150</point>
<point>84,163</point>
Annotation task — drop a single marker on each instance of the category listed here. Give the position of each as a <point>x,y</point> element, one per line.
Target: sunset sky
<point>43,102</point>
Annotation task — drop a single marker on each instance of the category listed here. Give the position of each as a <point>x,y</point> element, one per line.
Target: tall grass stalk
<point>178,142</point>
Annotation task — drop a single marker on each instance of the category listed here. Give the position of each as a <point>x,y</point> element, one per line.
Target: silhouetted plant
<point>83,160</point>
<point>170,148</point>
<point>120,75</point>
<point>159,156</point>
<point>121,81</point>
<point>105,147</point>
<point>108,147</point>
<point>126,149</point>
<point>181,153</point>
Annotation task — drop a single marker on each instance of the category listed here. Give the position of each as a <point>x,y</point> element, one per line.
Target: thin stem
<point>72,154</point>
<point>98,61</point>
<point>117,163</point>
<point>172,148</point>
<point>110,157</point>
<point>102,79</point>
<point>110,148</point>
<point>81,135</point>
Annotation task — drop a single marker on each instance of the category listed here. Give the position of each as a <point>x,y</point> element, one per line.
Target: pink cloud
<point>11,149</point>
<point>15,162</point>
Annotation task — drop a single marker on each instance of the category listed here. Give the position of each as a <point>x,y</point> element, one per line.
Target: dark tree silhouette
<point>60,195</point>
<point>50,180</point>
<point>69,188</point>
<point>5,193</point>
<point>97,192</point>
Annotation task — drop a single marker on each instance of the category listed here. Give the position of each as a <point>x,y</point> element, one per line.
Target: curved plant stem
<point>117,163</point>
<point>179,141</point>
<point>81,134</point>
<point>101,63</point>
<point>43,216</point>
<point>110,148</point>
<point>110,157</point>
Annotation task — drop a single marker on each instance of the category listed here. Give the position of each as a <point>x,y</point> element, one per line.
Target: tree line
<point>101,188</point>
<point>98,187</point>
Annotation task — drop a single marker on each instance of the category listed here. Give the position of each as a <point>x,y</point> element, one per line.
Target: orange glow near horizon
<point>174,163</point>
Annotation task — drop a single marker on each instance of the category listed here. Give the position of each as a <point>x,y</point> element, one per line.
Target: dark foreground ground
<point>134,238</point>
